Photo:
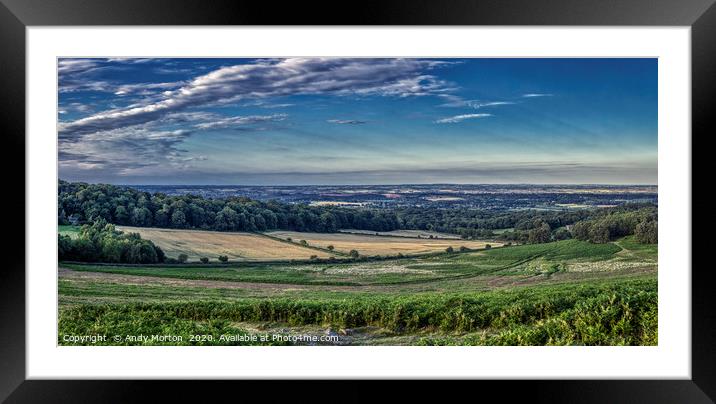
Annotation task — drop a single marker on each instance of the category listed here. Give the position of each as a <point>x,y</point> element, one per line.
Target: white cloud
<point>127,151</point>
<point>145,88</point>
<point>271,78</point>
<point>532,95</point>
<point>460,118</point>
<point>236,121</point>
<point>69,66</point>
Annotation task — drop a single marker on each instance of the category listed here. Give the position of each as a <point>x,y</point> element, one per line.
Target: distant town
<point>482,196</point>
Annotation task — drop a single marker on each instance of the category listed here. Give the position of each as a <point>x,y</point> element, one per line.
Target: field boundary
<point>312,247</point>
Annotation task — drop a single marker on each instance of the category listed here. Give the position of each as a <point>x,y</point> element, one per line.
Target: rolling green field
<point>561,293</point>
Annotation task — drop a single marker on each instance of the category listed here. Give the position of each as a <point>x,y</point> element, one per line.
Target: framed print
<point>472,191</point>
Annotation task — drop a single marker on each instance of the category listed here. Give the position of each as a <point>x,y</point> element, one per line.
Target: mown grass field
<point>371,245</point>
<point>237,246</point>
<point>561,293</point>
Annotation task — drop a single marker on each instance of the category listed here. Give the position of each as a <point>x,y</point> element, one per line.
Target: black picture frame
<point>16,15</point>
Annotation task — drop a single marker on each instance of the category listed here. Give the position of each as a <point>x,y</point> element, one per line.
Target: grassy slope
<point>453,266</point>
<point>451,302</point>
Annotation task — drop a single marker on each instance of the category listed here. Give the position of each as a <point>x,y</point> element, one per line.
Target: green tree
<point>646,232</point>
<point>178,219</point>
<point>562,234</point>
<point>580,230</point>
<point>182,258</point>
<point>539,234</point>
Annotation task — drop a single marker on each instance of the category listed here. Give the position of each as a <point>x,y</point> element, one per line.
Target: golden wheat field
<point>379,245</point>
<point>237,246</point>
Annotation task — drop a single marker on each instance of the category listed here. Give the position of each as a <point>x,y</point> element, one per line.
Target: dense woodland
<point>81,203</point>
<point>100,204</point>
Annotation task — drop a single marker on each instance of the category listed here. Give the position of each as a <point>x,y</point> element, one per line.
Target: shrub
<point>223,258</point>
<point>488,246</point>
<point>463,248</point>
<point>330,247</point>
<point>562,234</point>
<point>182,258</point>
<point>204,260</point>
<point>449,249</point>
<point>354,253</point>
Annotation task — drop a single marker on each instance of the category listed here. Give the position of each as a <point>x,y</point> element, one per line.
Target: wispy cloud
<point>240,121</point>
<point>273,78</point>
<point>460,118</point>
<point>128,150</point>
<point>532,95</point>
<point>125,151</point>
<point>145,88</point>
<point>458,102</point>
<point>267,105</point>
<point>346,121</point>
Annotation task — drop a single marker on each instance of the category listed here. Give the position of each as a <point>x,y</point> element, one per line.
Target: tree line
<point>640,223</point>
<point>87,203</point>
<point>101,242</point>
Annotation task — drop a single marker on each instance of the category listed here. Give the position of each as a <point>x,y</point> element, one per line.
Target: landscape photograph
<point>323,201</point>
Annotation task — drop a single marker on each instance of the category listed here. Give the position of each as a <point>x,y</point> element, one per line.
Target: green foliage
<point>101,242</point>
<point>223,258</point>
<point>182,258</point>
<point>81,202</point>
<point>562,234</point>
<point>647,232</point>
<point>540,234</point>
<point>353,253</point>
<point>131,320</point>
<point>449,249</point>
<point>126,206</point>
<point>608,313</point>
<point>617,224</point>
<point>204,260</point>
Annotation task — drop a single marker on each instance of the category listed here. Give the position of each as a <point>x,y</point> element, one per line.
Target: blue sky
<point>357,121</point>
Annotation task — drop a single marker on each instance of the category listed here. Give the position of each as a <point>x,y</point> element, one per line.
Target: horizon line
<point>369,185</point>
